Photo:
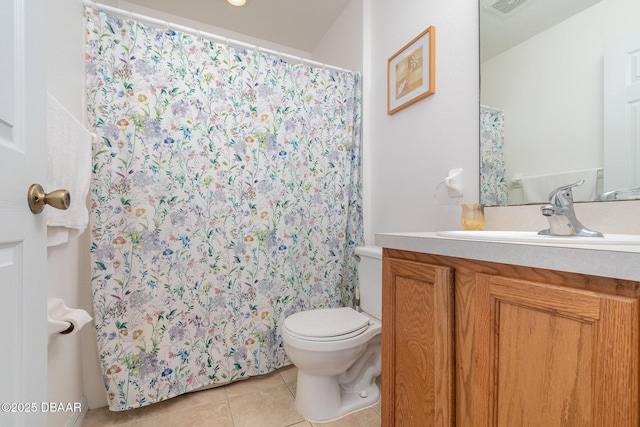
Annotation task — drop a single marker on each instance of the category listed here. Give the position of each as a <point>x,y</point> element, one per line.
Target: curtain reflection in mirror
<point>493,185</point>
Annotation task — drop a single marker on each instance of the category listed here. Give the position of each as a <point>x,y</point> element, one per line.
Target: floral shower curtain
<point>225,196</point>
<point>493,184</point>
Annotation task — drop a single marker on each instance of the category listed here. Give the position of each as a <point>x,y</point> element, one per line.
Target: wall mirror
<point>560,99</point>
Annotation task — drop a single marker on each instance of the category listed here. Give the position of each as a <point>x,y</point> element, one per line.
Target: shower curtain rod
<point>500,110</point>
<point>198,33</point>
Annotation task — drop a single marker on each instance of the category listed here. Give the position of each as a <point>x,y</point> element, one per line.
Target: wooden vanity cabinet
<point>417,341</point>
<point>531,346</point>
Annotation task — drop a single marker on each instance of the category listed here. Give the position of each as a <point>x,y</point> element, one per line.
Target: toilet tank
<point>370,279</point>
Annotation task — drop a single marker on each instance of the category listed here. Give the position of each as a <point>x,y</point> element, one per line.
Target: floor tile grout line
<point>233,421</point>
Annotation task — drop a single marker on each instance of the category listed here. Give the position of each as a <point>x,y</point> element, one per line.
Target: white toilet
<point>337,350</point>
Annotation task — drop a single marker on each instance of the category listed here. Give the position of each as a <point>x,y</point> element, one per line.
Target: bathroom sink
<point>534,237</point>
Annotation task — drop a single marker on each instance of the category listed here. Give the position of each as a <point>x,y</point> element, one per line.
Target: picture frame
<point>411,72</point>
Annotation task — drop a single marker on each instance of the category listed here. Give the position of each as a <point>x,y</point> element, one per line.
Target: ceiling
<point>501,32</point>
<point>301,24</point>
<point>298,24</point>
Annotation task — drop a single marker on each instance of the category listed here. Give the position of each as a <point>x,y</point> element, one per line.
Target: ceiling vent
<point>504,7</point>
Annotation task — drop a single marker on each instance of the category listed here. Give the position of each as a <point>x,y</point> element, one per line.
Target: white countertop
<point>615,261</point>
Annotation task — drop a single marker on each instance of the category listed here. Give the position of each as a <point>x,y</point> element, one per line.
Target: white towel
<point>69,149</point>
<point>536,188</point>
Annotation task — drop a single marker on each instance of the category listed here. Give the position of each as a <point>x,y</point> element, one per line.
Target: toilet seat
<point>326,324</point>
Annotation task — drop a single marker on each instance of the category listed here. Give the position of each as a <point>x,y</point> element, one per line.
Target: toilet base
<point>322,399</point>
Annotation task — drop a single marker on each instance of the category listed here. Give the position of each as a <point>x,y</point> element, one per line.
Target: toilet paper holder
<point>68,330</point>
<point>63,320</point>
<point>453,182</point>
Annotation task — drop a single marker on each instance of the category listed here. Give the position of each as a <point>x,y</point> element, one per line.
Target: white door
<point>23,252</point>
<point>622,114</point>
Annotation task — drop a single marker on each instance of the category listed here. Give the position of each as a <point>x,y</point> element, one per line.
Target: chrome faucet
<point>622,194</point>
<point>562,217</point>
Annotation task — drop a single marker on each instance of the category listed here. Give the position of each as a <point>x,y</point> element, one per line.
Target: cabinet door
<point>417,345</point>
<point>553,356</point>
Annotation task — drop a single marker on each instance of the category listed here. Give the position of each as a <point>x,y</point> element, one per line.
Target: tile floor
<point>264,401</point>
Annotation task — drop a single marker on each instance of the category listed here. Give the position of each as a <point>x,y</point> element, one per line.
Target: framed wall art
<point>411,72</point>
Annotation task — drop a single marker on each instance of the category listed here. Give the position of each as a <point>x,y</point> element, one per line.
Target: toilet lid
<point>326,322</point>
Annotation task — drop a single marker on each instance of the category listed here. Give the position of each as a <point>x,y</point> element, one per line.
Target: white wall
<point>67,263</point>
<point>342,44</point>
<point>551,89</point>
<point>412,151</point>
<point>408,154</point>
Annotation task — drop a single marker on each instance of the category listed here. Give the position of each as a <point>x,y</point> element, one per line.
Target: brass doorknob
<point>59,199</point>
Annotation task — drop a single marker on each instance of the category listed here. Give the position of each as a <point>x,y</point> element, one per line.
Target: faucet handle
<point>561,215</point>
<point>563,195</point>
